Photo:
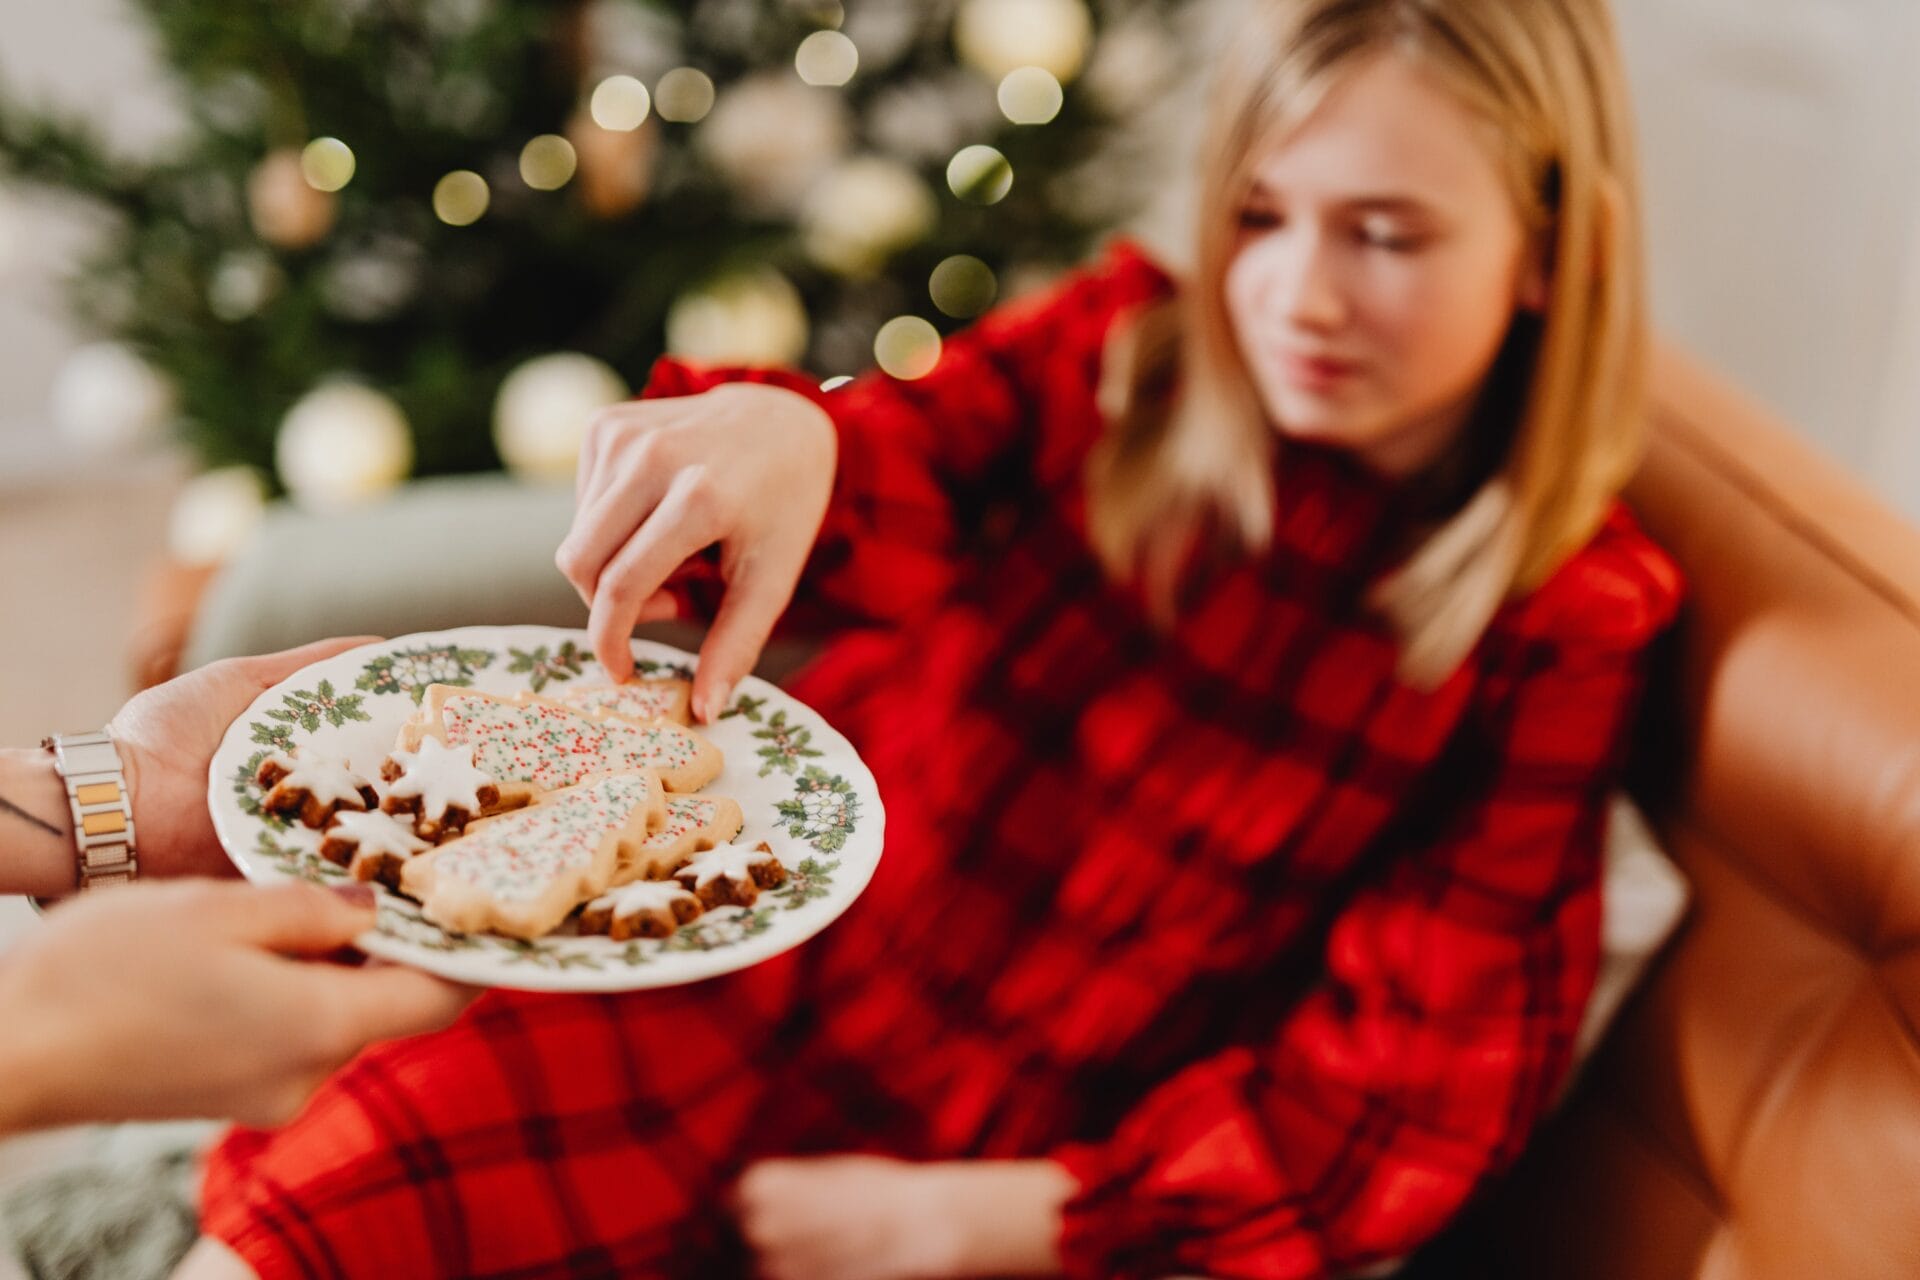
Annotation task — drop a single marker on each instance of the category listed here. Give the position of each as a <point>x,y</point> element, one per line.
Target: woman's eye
<point>1254,216</point>
<point>1389,239</point>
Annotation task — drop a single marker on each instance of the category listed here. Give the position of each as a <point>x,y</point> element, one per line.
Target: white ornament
<point>215,514</point>
<point>341,444</point>
<point>863,212</point>
<point>772,135</point>
<point>884,30</point>
<point>1132,63</point>
<point>244,281</point>
<point>931,117</point>
<point>998,36</point>
<point>627,37</point>
<point>372,282</point>
<point>754,318</point>
<point>106,398</point>
<point>540,416</point>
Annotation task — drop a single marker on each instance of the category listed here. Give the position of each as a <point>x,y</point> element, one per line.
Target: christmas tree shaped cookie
<point>520,873</point>
<point>529,744</point>
<point>642,700</point>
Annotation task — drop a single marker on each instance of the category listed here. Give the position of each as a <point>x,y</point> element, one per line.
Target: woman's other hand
<point>166,738</point>
<point>871,1218</point>
<point>195,999</point>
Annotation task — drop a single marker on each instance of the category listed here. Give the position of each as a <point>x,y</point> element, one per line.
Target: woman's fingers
<point>388,1002</point>
<point>601,528</point>
<point>760,583</point>
<point>683,523</point>
<point>295,919</point>
<point>620,484</point>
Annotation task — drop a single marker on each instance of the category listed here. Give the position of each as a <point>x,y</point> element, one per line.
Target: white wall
<point>91,58</point>
<point>1781,143</point>
<point>1781,146</point>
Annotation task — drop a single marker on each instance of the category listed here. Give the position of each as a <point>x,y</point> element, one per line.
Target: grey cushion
<point>449,552</point>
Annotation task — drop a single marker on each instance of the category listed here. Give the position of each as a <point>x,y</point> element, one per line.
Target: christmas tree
<point>428,236</point>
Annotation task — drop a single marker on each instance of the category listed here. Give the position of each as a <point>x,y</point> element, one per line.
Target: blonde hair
<point>1178,466</point>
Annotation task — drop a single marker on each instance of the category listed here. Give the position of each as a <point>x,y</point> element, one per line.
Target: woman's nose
<point>1309,294</point>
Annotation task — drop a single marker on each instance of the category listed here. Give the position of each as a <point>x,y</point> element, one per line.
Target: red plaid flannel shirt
<point>1279,956</point>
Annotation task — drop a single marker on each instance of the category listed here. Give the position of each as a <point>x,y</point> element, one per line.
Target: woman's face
<point>1378,263</point>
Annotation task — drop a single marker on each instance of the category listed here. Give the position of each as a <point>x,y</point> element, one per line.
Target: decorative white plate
<point>800,784</point>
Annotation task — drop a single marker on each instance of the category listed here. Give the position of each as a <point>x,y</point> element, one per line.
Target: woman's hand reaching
<point>745,465</point>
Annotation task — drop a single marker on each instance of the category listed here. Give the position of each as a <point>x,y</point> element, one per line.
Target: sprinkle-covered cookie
<point>642,700</point>
<point>521,873</point>
<point>530,744</point>
<point>692,823</point>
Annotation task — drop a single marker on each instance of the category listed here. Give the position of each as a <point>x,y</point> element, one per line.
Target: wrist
<point>36,827</point>
<point>1009,1215</point>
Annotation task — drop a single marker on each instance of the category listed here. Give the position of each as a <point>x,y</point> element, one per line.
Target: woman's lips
<point>1316,373</point>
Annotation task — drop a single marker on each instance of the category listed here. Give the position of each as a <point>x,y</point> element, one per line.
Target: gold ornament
<point>285,209</point>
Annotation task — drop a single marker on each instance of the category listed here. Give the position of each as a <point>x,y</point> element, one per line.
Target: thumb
<point>756,597</point>
<point>297,919</point>
<point>272,668</point>
<point>386,1002</point>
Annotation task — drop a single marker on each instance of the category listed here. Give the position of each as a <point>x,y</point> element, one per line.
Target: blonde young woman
<point>1244,662</point>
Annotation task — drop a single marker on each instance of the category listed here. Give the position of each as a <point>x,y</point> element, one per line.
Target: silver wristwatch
<point>102,810</point>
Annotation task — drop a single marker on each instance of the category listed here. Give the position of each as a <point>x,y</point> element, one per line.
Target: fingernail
<point>717,702</point>
<point>355,894</point>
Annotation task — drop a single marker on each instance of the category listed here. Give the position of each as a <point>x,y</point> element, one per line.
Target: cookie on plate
<point>372,845</point>
<point>643,909</point>
<point>437,787</point>
<point>645,699</point>
<point>731,875</point>
<point>693,823</point>
<point>312,788</point>
<point>529,744</point>
<point>523,872</point>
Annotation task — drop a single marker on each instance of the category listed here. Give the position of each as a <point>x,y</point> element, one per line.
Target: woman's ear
<point>1536,278</point>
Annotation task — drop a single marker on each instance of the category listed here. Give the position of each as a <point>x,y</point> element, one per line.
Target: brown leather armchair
<point>1755,1113</point>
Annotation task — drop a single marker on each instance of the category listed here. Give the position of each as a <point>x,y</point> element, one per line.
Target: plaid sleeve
<point>1443,1019</point>
<point>918,460</point>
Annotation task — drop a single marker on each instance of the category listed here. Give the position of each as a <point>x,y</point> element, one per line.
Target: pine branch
<point>42,147</point>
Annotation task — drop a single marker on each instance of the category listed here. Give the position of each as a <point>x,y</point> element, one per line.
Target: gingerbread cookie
<point>312,787</point>
<point>731,875</point>
<point>642,700</point>
<point>644,909</point>
<point>372,845</point>
<point>521,873</point>
<point>438,787</point>
<point>693,823</point>
<point>529,744</point>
